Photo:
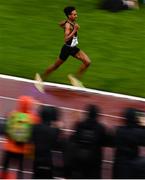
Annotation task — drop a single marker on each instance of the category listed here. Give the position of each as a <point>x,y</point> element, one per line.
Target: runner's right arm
<point>68,34</point>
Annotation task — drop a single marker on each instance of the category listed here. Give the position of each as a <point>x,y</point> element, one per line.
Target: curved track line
<point>76,88</point>
<point>65,108</point>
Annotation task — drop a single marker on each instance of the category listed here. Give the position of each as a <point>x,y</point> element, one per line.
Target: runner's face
<point>73,15</point>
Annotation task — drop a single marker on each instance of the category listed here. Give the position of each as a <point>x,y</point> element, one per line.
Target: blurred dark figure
<point>118,5</point>
<point>127,162</point>
<point>45,139</point>
<point>84,153</point>
<point>14,150</point>
<point>2,126</point>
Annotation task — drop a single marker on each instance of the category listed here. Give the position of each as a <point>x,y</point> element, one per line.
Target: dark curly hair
<point>68,10</point>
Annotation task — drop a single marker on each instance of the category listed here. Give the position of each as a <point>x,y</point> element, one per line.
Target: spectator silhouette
<point>84,152</point>
<point>45,139</point>
<point>13,149</point>
<point>127,140</point>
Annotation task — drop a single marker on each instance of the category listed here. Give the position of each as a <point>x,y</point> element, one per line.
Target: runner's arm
<point>68,34</point>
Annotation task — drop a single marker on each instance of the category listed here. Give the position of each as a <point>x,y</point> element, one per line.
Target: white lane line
<point>75,88</point>
<point>15,170</point>
<point>61,107</point>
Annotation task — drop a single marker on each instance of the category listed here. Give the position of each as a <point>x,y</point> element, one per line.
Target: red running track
<point>72,101</point>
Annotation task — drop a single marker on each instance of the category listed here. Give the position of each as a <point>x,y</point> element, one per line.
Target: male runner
<point>69,48</point>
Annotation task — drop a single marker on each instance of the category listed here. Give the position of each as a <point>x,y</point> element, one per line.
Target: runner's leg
<point>52,68</point>
<point>85,60</point>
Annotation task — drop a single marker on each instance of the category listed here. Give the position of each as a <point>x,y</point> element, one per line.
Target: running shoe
<point>39,83</point>
<point>74,81</point>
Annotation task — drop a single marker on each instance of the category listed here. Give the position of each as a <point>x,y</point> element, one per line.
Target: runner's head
<point>70,12</point>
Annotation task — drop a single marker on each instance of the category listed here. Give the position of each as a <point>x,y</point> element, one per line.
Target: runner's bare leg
<point>52,68</point>
<point>86,63</point>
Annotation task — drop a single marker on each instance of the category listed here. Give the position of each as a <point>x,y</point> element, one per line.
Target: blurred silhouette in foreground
<point>18,134</point>
<point>127,161</point>
<point>83,157</point>
<point>45,136</point>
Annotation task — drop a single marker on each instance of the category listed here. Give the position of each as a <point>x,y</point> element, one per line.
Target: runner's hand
<point>76,27</point>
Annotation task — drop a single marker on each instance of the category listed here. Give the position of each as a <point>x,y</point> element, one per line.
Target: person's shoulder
<point>64,24</point>
<point>100,124</point>
<point>11,113</point>
<point>68,24</point>
<point>35,119</point>
<point>55,129</point>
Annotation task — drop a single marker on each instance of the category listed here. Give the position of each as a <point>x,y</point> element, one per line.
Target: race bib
<point>74,41</point>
